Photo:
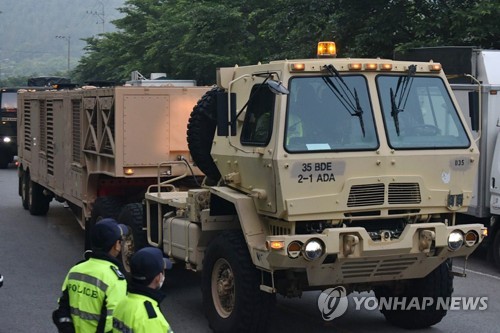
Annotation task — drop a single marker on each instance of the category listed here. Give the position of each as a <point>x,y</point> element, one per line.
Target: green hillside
<point>29,28</point>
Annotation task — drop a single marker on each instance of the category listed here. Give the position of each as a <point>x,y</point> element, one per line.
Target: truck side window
<point>258,123</point>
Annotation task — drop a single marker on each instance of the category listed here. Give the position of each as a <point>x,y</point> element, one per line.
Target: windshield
<point>325,114</point>
<point>427,117</point>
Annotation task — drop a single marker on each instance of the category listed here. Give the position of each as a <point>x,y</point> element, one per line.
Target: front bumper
<point>351,256</point>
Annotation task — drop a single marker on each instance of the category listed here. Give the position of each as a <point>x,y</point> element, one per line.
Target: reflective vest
<point>139,314</point>
<point>94,288</point>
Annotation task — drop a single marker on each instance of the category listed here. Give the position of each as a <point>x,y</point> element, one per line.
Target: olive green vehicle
<point>319,173</point>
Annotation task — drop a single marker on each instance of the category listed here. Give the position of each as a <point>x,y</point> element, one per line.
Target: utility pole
<point>68,40</point>
<point>100,15</point>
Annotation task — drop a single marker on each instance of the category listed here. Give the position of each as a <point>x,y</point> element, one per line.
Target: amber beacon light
<point>327,50</point>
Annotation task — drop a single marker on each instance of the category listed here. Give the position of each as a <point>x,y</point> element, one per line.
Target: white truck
<point>472,73</point>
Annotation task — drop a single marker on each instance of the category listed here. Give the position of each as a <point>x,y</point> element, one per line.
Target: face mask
<point>161,281</point>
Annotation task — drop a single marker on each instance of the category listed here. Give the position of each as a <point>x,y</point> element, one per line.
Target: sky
<point>36,35</point>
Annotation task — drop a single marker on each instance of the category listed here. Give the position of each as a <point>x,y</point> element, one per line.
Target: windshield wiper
<point>405,84</point>
<point>347,98</point>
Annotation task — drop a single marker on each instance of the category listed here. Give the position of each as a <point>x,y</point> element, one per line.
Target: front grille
<point>366,195</point>
<point>374,194</point>
<point>404,193</point>
<point>280,228</point>
<point>374,268</point>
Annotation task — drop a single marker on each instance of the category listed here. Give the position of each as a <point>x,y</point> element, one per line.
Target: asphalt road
<point>36,253</point>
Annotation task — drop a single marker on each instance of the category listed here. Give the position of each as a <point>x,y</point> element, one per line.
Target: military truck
<point>320,173</point>
<point>474,78</point>
<point>96,149</point>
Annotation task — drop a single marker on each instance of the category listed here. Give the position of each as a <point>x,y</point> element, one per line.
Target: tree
<point>189,39</point>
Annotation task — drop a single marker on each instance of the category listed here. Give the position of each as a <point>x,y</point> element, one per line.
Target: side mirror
<point>224,121</point>
<point>277,88</point>
<point>474,111</point>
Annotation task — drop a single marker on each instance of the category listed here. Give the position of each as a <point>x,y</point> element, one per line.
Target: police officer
<point>140,311</point>
<point>93,288</point>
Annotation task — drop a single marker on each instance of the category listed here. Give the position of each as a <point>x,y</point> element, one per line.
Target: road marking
<point>483,274</point>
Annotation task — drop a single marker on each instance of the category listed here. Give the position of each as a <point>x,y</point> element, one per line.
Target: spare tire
<point>200,134</point>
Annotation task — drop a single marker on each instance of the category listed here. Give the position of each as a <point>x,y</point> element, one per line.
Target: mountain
<point>36,35</point>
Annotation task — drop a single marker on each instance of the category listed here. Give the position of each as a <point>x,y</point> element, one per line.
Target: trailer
<point>91,147</point>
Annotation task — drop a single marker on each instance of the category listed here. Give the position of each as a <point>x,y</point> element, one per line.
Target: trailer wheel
<point>132,216</point>
<point>200,134</point>
<point>438,285</point>
<point>232,299</point>
<point>103,207</point>
<point>38,203</point>
<point>23,188</point>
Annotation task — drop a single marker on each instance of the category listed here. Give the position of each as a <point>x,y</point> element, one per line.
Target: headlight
<point>471,238</point>
<point>7,139</point>
<point>455,240</point>
<point>313,249</point>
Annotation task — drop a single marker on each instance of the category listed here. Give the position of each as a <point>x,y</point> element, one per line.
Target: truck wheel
<point>232,299</point>
<point>437,286</point>
<point>200,134</point>
<point>103,207</point>
<point>38,203</point>
<point>496,248</point>
<point>23,189</point>
<point>132,216</point>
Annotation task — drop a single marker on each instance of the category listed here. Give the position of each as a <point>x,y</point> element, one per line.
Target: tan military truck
<point>98,148</point>
<point>321,173</point>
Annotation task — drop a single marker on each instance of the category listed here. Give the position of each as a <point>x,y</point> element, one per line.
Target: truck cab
<point>324,172</point>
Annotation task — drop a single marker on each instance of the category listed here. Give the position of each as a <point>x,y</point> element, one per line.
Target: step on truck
<point>97,149</point>
<point>322,173</point>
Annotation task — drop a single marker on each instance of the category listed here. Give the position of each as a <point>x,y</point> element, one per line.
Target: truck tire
<point>200,134</point>
<point>38,203</point>
<point>232,299</point>
<point>103,207</point>
<point>496,248</point>
<point>132,216</point>
<point>23,188</point>
<point>437,285</point>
